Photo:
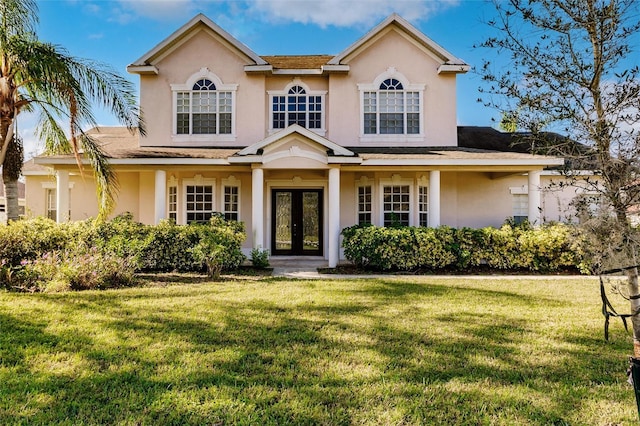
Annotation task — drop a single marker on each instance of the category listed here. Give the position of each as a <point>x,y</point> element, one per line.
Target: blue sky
<point>117,32</point>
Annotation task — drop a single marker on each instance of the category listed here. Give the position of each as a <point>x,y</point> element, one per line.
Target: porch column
<point>434,199</point>
<point>535,204</point>
<point>161,196</point>
<point>62,196</point>
<point>257,207</point>
<point>334,217</point>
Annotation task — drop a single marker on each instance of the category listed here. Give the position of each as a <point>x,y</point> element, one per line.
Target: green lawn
<point>411,350</point>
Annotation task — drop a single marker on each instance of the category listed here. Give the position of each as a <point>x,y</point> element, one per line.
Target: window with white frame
<point>231,202</point>
<point>297,105</point>
<point>173,203</point>
<point>391,108</point>
<point>199,203</point>
<point>396,205</point>
<point>50,202</point>
<point>364,205</point>
<point>204,110</point>
<point>520,207</point>
<point>423,205</point>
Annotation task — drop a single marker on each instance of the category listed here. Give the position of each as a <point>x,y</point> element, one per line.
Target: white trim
<point>52,185</point>
<point>149,57</point>
<point>549,161</point>
<point>295,128</point>
<point>197,180</point>
<point>519,190</point>
<point>230,182</point>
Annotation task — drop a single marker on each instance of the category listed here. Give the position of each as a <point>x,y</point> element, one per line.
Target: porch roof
<point>122,147</point>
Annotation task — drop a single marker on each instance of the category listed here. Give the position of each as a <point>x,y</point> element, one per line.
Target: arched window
<point>391,109</point>
<point>204,110</point>
<point>296,107</point>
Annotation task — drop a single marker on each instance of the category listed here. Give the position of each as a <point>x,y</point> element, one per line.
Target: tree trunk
<point>11,197</point>
<point>11,169</point>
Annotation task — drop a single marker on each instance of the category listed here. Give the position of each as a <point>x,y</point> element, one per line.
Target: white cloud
<point>345,13</point>
<point>128,10</point>
<point>341,13</point>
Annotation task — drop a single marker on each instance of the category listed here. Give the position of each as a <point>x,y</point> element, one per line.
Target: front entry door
<point>296,225</point>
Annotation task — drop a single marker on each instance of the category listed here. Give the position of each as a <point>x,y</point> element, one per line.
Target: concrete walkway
<point>297,267</point>
<point>307,268</point>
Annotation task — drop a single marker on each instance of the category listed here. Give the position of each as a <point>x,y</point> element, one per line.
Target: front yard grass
<point>397,350</point>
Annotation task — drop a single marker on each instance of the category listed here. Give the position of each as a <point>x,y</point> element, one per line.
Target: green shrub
<point>167,248</point>
<point>59,271</point>
<point>219,245</point>
<point>28,239</point>
<point>509,248</point>
<point>260,258</point>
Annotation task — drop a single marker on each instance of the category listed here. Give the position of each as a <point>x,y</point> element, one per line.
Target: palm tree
<point>44,79</point>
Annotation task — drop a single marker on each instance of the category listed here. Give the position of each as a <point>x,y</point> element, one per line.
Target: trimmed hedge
<point>549,248</point>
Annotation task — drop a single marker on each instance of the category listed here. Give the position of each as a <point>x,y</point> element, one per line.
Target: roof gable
<point>307,134</point>
<point>146,63</point>
<point>449,62</point>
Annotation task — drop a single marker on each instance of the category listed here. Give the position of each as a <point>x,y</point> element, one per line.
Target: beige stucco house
<point>299,147</point>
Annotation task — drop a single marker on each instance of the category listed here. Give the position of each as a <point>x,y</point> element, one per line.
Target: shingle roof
<point>119,142</point>
<point>474,143</point>
<point>299,62</point>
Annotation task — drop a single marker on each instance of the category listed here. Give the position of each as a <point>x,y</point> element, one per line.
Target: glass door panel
<point>283,221</point>
<point>310,225</point>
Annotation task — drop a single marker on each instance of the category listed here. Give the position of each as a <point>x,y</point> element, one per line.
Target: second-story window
<point>391,110</point>
<point>204,110</point>
<point>297,106</point>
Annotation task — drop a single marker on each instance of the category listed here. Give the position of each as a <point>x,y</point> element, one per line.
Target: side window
<point>364,205</point>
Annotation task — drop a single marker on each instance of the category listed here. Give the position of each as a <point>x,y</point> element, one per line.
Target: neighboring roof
<point>21,190</point>
<point>146,63</point>
<point>450,63</point>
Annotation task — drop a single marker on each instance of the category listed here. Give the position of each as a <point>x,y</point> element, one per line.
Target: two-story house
<point>299,147</point>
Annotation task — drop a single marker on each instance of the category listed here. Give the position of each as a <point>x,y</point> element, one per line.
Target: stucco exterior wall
<point>394,51</point>
<point>202,50</point>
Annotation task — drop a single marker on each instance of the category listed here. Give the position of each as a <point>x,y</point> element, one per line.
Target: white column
<point>334,217</point>
<point>257,207</point>
<point>62,196</point>
<point>434,198</point>
<point>535,204</point>
<point>160,196</point>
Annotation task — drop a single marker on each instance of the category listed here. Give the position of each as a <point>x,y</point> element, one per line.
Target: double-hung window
<point>391,110</point>
<point>297,106</point>
<point>204,110</point>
